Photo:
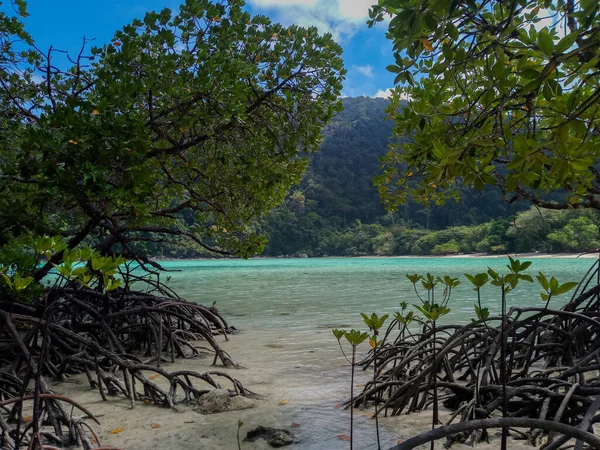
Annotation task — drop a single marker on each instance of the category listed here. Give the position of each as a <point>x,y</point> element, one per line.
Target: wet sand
<point>299,385</point>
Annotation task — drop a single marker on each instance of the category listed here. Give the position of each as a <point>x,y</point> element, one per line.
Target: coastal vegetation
<point>183,137</point>
<point>184,128</point>
<point>503,95</point>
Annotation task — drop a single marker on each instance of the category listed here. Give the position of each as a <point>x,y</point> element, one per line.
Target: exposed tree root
<point>552,366</point>
<point>521,422</point>
<point>118,340</point>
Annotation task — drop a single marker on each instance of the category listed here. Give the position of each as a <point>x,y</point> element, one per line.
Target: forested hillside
<point>336,210</point>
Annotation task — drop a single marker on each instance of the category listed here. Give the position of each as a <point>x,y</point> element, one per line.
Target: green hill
<point>337,194</point>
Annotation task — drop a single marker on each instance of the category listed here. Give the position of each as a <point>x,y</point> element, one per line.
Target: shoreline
<point>294,394</point>
<point>534,255</point>
<point>288,356</point>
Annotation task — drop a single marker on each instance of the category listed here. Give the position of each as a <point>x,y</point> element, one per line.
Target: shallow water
<point>288,306</point>
<point>301,295</point>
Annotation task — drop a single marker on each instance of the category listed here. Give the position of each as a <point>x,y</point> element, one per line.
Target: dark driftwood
<point>551,368</point>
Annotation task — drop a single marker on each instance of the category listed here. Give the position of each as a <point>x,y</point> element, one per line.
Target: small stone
<point>219,400</point>
<point>274,437</point>
<point>281,438</point>
<point>238,402</point>
<point>213,402</point>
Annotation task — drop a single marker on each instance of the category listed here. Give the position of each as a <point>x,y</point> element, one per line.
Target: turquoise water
<point>302,294</point>
<point>293,303</point>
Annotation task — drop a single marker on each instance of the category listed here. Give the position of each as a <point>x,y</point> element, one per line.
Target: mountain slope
<point>337,191</point>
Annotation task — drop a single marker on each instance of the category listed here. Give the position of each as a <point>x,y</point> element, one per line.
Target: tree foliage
<point>185,125</point>
<point>502,93</point>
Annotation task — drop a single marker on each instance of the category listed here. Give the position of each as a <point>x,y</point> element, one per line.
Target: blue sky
<point>63,23</point>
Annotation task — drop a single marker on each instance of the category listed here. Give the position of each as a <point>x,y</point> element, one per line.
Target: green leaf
<point>424,310</point>
<point>337,333</point>
<point>366,319</point>
<point>567,42</point>
<point>20,284</point>
<point>482,313</point>
<point>112,285</point>
<point>530,74</point>
<point>546,42</point>
<point>381,321</point>
<point>543,281</point>
<point>452,30</point>
<point>7,280</point>
<point>355,337</point>
<point>563,288</point>
<point>472,6</point>
<point>414,278</point>
<point>526,278</point>
<point>22,7</point>
<point>431,22</point>
<point>447,51</point>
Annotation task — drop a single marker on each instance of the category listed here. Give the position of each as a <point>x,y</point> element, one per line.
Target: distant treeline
<point>530,231</point>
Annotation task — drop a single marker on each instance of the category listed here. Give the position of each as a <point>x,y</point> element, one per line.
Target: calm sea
<point>293,304</point>
<point>300,294</point>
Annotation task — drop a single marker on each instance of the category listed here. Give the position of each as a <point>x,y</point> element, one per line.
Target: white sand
<point>279,369</point>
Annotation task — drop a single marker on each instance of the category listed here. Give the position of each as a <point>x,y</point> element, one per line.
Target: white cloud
<point>387,93</point>
<point>367,70</point>
<point>38,78</point>
<point>356,9</point>
<point>384,94</point>
<point>341,18</point>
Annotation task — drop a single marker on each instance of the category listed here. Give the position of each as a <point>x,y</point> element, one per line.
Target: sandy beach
<point>288,355</point>
<point>300,397</point>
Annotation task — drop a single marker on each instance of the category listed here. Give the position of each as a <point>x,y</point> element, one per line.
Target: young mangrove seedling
<point>240,425</point>
<point>507,283</point>
<point>432,311</point>
<point>375,323</point>
<point>478,281</point>
<point>355,338</point>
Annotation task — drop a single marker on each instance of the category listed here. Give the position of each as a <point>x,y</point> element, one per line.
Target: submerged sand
<point>300,379</point>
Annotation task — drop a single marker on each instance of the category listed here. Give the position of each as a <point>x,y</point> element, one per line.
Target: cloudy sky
<point>63,23</point>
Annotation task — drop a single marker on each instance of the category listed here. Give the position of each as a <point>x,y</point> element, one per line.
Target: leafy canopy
<point>503,93</point>
<point>187,125</point>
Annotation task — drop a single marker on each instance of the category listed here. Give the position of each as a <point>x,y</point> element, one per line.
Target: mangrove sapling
<point>355,338</point>
<point>240,424</point>
<point>478,281</point>
<point>507,283</point>
<point>432,311</point>
<point>551,289</point>
<point>402,320</point>
<point>375,323</point>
